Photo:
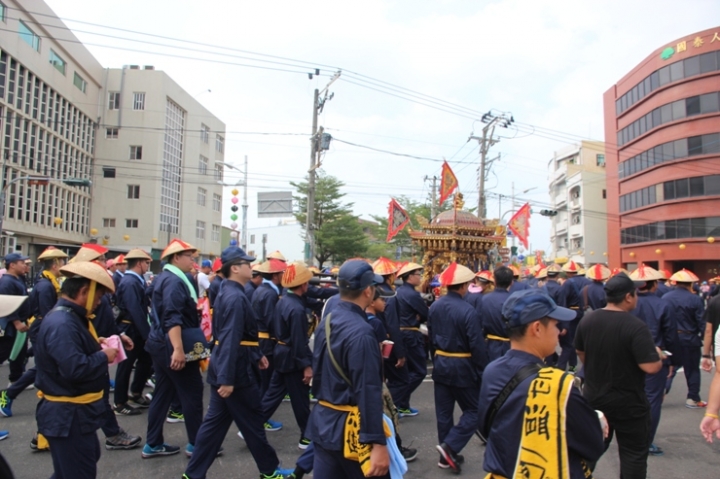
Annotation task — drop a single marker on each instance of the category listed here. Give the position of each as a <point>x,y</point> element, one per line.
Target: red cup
<point>387,347</point>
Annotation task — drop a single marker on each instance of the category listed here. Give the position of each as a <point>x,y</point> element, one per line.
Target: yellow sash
<point>87,398</point>
<point>496,338</point>
<point>263,335</point>
<point>353,449</point>
<point>404,328</point>
<point>452,355</point>
<point>50,277</point>
<point>244,343</point>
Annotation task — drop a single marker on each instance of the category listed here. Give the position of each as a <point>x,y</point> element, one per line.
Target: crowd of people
<point>546,369</point>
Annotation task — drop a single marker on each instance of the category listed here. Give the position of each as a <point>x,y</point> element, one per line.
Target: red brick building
<point>662,137</point>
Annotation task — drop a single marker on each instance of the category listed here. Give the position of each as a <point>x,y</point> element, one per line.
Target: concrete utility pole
<point>314,150</point>
<point>433,203</point>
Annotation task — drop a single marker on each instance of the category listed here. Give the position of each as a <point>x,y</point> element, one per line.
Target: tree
<point>338,233</point>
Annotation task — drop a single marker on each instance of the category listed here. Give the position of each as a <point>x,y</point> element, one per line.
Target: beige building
<point>158,165</point>
<point>578,195</point>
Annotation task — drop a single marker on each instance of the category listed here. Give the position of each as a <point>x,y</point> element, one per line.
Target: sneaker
<point>304,443</point>
<point>139,402</point>
<point>694,404</point>
<point>189,449</point>
<point>4,435</point>
<point>174,417</point>
<point>150,383</point>
<point>409,454</point>
<point>241,436</point>
<point>148,396</point>
<point>125,410</point>
<point>450,457</point>
<point>410,412</point>
<point>442,463</point>
<point>278,474</point>
<point>5,404</point>
<point>653,450</point>
<point>161,450</point>
<point>112,385</point>
<point>313,399</point>
<point>122,441</point>
<point>271,425</point>
<point>286,398</point>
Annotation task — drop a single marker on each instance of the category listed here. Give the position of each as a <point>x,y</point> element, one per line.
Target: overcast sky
<point>547,62</point>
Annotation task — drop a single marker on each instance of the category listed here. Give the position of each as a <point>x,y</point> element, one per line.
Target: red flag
<point>397,219</point>
<point>448,182</point>
<point>519,224</point>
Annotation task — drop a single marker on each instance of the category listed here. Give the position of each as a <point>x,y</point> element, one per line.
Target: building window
<point>170,186</point>
<point>202,168</point>
<point>604,194</point>
<point>216,202</point>
<point>136,152</point>
<point>577,243</point>
<point>215,233</point>
<point>576,219</point>
<point>202,194</point>
<point>28,35</point>
<point>108,172</point>
<point>114,100</point>
<point>252,239</point>
<point>3,10</point>
<point>200,229</point>
<point>204,133</point>
<point>218,172</point>
<point>111,133</point>
<point>131,223</point>
<point>600,159</point>
<point>139,101</point>
<point>220,144</point>
<point>133,192</point>
<point>108,222</point>
<point>57,62</point>
<point>80,83</point>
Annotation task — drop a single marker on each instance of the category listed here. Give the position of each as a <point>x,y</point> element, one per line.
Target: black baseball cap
<point>356,275</point>
<point>621,284</point>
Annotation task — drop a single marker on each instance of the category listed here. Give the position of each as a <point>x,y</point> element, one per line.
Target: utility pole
<point>243,239</point>
<point>314,150</point>
<point>433,208</point>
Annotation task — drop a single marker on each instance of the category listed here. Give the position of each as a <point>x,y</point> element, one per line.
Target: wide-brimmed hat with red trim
<point>385,267</point>
<point>271,266</point>
<point>515,270</point>
<point>296,274</point>
<point>684,276</point>
<point>666,273</point>
<point>485,276</point>
<point>90,270</point>
<point>120,259</point>
<point>617,271</point>
<point>89,252</point>
<point>598,272</point>
<point>409,268</point>
<point>541,274</point>
<point>554,269</point>
<point>277,255</point>
<point>646,273</point>
<point>571,267</point>
<point>456,274</point>
<point>177,246</point>
<point>136,253</point>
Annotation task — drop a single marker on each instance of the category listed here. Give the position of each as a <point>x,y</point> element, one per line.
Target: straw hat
<point>515,270</point>
<point>666,274</point>
<point>120,259</point>
<point>554,269</point>
<point>52,252</point>
<point>571,267</point>
<point>271,266</point>
<point>486,276</point>
<point>136,253</point>
<point>296,275</point>
<point>409,268</point>
<point>581,272</point>
<point>9,303</point>
<point>277,255</point>
<point>177,246</point>
<point>456,274</point>
<point>89,252</point>
<point>542,274</point>
<point>684,276</point>
<point>90,270</point>
<point>384,267</point>
<point>617,271</point>
<point>646,273</point>
<point>598,272</point>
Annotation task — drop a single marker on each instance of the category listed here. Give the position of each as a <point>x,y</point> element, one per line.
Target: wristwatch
<point>707,356</point>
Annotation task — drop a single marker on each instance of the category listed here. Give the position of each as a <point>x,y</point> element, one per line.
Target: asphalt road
<point>686,454</point>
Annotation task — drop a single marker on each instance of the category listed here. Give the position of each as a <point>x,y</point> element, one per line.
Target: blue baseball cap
<point>206,263</point>
<point>14,257</point>
<point>530,305</point>
<point>233,254</point>
<point>357,274</point>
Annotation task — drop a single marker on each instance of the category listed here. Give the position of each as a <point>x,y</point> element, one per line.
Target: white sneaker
<point>240,435</point>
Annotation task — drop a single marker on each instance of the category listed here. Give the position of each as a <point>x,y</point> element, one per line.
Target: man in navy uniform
<point>234,391</point>
<point>570,296</point>
<point>214,288</point>
<point>552,287</point>
<point>688,310</point>
<point>13,283</point>
<point>517,285</point>
<point>72,373</point>
<point>293,358</point>
<point>120,268</point>
<point>459,357</point>
<point>662,287</point>
<point>412,312</point>
<point>594,293</point>
<point>493,325</point>
<point>348,377</point>
<point>532,319</point>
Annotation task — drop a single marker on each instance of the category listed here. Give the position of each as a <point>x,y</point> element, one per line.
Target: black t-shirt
<point>615,343</point>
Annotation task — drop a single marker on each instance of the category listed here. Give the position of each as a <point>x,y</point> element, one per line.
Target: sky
<point>545,62</point>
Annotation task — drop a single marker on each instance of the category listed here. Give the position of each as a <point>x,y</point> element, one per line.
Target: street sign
<point>504,253</point>
<point>38,182</point>
<point>275,204</point>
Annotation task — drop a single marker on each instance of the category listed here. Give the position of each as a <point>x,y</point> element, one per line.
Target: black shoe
<point>409,454</point>
<point>442,463</point>
<point>450,458</point>
<point>125,410</point>
<point>122,441</point>
<point>139,402</point>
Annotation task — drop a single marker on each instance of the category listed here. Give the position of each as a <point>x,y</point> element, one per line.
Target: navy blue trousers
<point>187,386</point>
<point>397,382</point>
<point>299,397</point>
<point>242,407</point>
<point>456,435</point>
<point>266,376</point>
<point>497,349</point>
<point>143,371</point>
<point>416,363</point>
<point>17,367</point>
<point>306,459</point>
<point>690,359</point>
<point>568,354</point>
<point>332,465</point>
<point>76,455</point>
<point>110,426</point>
<point>19,386</point>
<point>655,391</point>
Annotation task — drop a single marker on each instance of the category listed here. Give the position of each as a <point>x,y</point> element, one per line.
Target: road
<point>686,454</point>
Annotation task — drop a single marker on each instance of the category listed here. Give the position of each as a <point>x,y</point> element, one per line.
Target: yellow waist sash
<point>263,335</point>
<point>244,343</point>
<point>87,398</point>
<point>496,338</point>
<point>452,355</point>
<point>405,328</point>
<point>353,449</point>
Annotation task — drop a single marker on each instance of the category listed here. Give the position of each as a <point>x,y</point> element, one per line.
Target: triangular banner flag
<point>448,182</point>
<point>519,224</point>
<point>397,219</point>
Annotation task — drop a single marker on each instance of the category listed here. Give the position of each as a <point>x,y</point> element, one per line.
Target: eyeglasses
<point>416,273</point>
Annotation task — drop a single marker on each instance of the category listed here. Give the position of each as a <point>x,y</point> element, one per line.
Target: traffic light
<point>548,212</point>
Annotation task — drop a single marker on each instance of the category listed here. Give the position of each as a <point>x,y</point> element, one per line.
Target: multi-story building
<point>158,165</point>
<point>578,199</point>
<point>662,130</point>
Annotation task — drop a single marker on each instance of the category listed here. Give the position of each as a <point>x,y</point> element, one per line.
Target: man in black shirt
<point>617,350</point>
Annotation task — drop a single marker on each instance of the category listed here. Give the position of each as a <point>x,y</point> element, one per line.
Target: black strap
<point>330,353</point>
<point>519,377</point>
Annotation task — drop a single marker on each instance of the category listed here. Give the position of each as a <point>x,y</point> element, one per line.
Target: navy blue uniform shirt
<point>661,324</point>
<point>42,299</point>
<point>357,351</point>
<point>69,362</point>
<point>290,325</point>
<point>250,290</point>
<point>391,319</point>
<point>492,303</point>
<point>662,288</point>
<point>583,433</point>
<point>688,311</point>
<point>104,320</point>
<point>214,289</point>
<point>475,300</point>
<point>173,306</point>
<point>264,300</point>
<point>552,288</point>
<point>597,299</point>
<point>518,286</point>
<point>13,286</point>
<point>453,327</point>
<point>134,305</point>
<point>378,327</point>
<point>570,295</point>
<point>412,309</point>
